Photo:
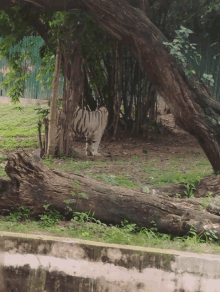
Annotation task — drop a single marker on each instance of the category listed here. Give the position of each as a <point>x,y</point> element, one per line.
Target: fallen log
<point>33,184</point>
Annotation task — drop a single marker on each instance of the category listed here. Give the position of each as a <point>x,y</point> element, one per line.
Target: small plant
<point>145,189</point>
<point>79,196</point>
<point>83,217</point>
<point>191,187</point>
<point>129,227</point>
<point>209,235</point>
<point>49,158</point>
<point>154,228</point>
<point>76,184</point>
<point>50,218</point>
<point>22,214</point>
<point>68,202</point>
<point>206,201</point>
<point>41,112</point>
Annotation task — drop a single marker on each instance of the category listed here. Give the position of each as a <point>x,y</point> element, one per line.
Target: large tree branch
<point>47,5</point>
<point>33,185</point>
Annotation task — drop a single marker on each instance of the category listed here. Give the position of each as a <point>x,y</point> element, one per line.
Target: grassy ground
<point>128,162</point>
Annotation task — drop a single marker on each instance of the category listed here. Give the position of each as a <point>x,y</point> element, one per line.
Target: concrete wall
<point>42,263</point>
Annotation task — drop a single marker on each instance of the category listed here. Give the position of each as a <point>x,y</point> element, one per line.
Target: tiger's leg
<point>96,143</point>
<point>92,145</point>
<point>89,145</point>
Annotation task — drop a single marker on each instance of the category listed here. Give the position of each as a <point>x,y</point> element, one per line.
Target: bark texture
<point>52,130</point>
<point>33,184</point>
<point>72,94</point>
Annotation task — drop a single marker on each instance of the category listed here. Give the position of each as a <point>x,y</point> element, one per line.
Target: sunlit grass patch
<point>118,180</point>
<point>18,128</point>
<point>176,170</point>
<point>12,143</point>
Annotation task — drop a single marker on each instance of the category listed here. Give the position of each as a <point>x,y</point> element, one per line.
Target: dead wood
<point>33,184</point>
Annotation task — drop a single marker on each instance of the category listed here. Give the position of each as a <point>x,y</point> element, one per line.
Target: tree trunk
<point>51,145</point>
<point>72,95</point>
<point>32,185</point>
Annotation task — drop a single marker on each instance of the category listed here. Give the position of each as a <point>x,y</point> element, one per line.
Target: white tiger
<point>91,125</point>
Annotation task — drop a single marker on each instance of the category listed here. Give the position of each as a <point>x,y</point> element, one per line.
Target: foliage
<point>49,217</point>
<point>191,187</point>
<point>14,28</point>
<point>184,51</point>
<point>85,225</point>
<point>15,78</point>
<point>79,196</point>
<point>206,201</point>
<point>200,16</point>
<point>83,217</point>
<point>204,236</point>
<point>97,48</point>
<point>42,112</point>
<point>22,214</point>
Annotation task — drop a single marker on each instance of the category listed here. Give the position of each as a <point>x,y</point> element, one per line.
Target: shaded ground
<point>145,160</point>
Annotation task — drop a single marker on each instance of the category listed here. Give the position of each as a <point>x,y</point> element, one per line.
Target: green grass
<point>18,129</point>
<point>68,164</point>
<point>85,226</point>
<point>175,173</point>
<point>118,180</point>
<point>125,176</point>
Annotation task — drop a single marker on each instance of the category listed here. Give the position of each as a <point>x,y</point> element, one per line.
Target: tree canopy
<point>189,99</point>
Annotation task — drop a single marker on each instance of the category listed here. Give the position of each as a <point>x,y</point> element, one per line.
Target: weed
<point>79,196</point>
<point>210,235</point>
<point>206,201</point>
<point>68,202</point>
<point>207,236</point>
<point>120,180</point>
<point>145,189</point>
<point>76,184</point>
<point>83,217</point>
<point>22,214</point>
<point>50,217</point>
<point>191,186</point>
<point>154,228</point>
<point>129,227</point>
<point>135,159</point>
